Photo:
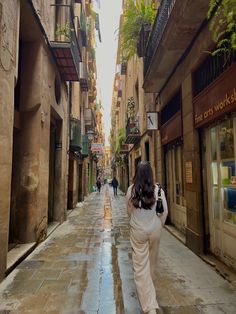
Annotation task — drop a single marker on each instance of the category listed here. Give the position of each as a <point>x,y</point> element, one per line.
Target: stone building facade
<point>193,150</point>
<point>32,120</point>
<point>129,115</point>
<point>41,92</point>
<point>196,104</point>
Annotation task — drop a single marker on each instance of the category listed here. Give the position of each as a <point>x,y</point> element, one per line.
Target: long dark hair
<point>142,194</point>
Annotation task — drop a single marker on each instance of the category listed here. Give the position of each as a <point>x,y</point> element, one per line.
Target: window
<point>223,175</point>
<point>209,70</point>
<point>172,107</point>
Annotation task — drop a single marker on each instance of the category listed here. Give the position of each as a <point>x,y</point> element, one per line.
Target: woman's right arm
<point>164,203</point>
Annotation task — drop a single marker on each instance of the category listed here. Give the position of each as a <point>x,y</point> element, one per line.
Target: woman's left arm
<point>128,201</point>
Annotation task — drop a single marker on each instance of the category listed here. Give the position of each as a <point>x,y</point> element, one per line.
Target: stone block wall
<point>9,29</point>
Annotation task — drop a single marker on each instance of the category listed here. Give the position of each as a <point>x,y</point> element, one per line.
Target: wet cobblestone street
<point>85,266</point>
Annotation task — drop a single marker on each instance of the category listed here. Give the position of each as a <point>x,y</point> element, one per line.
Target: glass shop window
<point>223,164</point>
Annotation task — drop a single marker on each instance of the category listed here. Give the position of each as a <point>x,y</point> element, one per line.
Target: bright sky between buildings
<point>109,15</point>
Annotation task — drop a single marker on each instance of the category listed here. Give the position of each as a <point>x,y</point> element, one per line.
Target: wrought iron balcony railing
<point>75,135</point>
<point>161,20</point>
<point>211,68</point>
<point>132,131</point>
<point>83,78</point>
<point>66,46</point>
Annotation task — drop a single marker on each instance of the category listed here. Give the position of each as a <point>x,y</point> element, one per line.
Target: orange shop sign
<point>218,99</point>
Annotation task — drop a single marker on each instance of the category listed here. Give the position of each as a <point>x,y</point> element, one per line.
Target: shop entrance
<point>221,182</point>
<point>175,186</point>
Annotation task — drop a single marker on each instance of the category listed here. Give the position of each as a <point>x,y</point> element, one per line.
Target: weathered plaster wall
<point>29,187</point>
<point>9,29</point>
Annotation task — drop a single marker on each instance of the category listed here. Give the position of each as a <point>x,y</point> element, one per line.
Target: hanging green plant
<point>136,14</point>
<point>223,25</point>
<point>120,139</point>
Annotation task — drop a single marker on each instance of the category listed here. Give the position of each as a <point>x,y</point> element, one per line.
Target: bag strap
<point>159,190</point>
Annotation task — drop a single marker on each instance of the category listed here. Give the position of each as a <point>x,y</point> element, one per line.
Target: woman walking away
<point>145,233</point>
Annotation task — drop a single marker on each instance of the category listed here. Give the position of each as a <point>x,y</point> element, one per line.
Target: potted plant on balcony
<point>120,139</point>
<point>136,14</point>
<point>132,119</point>
<point>63,32</point>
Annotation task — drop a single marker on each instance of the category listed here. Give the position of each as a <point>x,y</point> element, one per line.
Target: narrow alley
<point>85,266</point>
<point>97,96</point>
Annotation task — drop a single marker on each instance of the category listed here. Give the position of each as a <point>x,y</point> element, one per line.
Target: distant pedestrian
<point>145,233</point>
<point>98,184</point>
<point>114,184</point>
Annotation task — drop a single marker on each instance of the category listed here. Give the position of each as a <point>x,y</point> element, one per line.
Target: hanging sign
<point>152,121</point>
<point>97,148</point>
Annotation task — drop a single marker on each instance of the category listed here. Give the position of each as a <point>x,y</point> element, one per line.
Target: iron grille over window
<point>172,107</point>
<point>209,70</point>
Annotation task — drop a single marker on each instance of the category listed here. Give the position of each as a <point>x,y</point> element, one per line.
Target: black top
<point>114,183</point>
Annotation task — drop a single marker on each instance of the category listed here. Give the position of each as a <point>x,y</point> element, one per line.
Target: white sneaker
<point>152,312</point>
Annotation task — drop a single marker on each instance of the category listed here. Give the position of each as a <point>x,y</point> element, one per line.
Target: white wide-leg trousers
<point>145,246</point>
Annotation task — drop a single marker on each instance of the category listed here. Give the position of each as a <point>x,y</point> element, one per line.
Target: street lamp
<point>90,134</point>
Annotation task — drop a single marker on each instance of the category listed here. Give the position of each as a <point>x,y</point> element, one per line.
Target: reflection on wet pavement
<point>76,270</point>
<point>85,267</point>
<point>111,291</point>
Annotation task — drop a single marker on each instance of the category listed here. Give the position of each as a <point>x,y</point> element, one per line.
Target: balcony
<point>85,146</point>
<point>90,119</point>
<point>66,46</point>
<point>75,135</point>
<point>176,24</point>
<point>83,78</point>
<point>132,131</point>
